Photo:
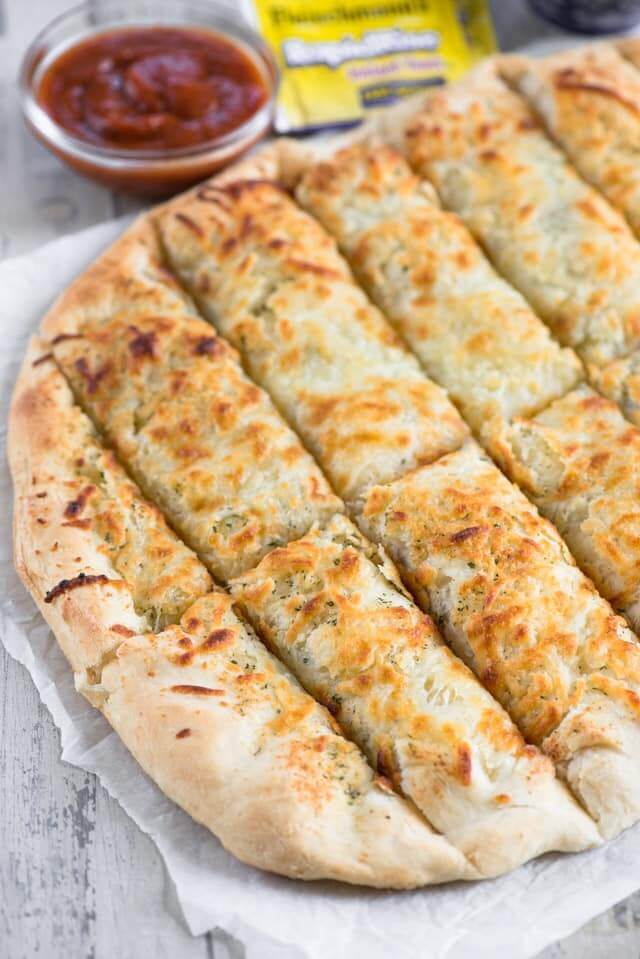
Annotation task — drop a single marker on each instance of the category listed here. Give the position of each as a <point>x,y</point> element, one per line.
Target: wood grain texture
<point>77,877</point>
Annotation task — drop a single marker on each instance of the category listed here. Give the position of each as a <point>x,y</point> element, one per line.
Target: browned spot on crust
<point>142,344</point>
<point>218,638</point>
<point>79,523</point>
<point>246,226</point>
<point>569,79</point>
<point>595,402</point>
<point>314,268</point>
<point>75,507</point>
<point>251,678</point>
<point>93,379</point>
<point>208,346</point>
<point>238,187</point>
<point>122,630</point>
<point>191,224</point>
<point>348,560</point>
<point>467,533</point>
<point>61,337</point>
<point>464,764</point>
<point>42,359</point>
<point>312,604</point>
<point>66,585</point>
<point>316,491</point>
<point>196,690</point>
<point>209,193</point>
<point>219,195</point>
<point>490,675</point>
<point>183,733</point>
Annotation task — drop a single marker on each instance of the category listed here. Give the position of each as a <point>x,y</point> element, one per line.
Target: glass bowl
<point>146,172</point>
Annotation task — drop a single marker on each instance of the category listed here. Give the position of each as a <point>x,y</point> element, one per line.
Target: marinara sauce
<point>152,88</point>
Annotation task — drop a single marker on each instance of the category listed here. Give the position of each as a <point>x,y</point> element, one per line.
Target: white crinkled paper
<point>515,916</point>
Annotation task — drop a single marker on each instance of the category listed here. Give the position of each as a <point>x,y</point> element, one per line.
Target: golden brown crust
<point>483,148</point>
<point>589,100</point>
<point>270,279</point>
<point>579,460</point>
<point>274,813</point>
<point>511,602</point>
<point>358,644</point>
<point>173,701</point>
<point>201,439</point>
<point>81,527</point>
<point>239,747</point>
<point>473,333</point>
<point>228,734</point>
<point>367,199</point>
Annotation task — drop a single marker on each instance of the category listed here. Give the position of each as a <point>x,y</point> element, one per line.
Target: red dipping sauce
<point>152,88</point>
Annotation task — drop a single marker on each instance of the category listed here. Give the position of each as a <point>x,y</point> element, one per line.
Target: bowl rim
<point>237,31</point>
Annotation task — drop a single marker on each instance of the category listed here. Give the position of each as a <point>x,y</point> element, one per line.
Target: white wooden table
<point>77,878</point>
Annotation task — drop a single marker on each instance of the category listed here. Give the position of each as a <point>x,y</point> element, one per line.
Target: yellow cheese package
<point>340,58</point>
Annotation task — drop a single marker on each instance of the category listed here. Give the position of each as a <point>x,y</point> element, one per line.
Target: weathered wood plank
<point>77,877</point>
<point>135,911</point>
<point>46,830</point>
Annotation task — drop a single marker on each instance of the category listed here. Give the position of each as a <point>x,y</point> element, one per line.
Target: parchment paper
<point>509,918</point>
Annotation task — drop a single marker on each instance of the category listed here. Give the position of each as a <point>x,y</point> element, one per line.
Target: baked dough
<point>201,439</point>
<point>513,605</point>
<point>98,559</point>
<point>270,279</point>
<point>589,100</point>
<point>128,392</point>
<point>620,382</point>
<point>229,735</point>
<point>330,607</point>
<point>579,460</point>
<point>200,700</point>
<point>549,233</point>
<point>473,333</point>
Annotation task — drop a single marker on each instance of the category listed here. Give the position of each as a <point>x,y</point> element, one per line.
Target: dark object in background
<point>590,16</point>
